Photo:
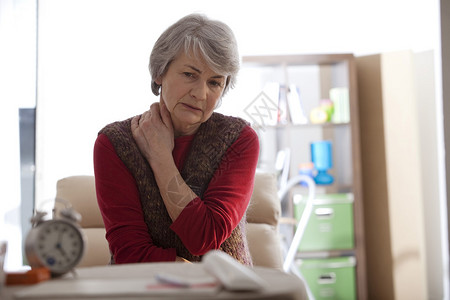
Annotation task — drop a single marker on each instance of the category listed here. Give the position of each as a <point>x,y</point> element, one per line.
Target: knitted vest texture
<point>210,144</point>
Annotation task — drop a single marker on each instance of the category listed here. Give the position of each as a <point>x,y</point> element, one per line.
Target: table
<point>138,281</point>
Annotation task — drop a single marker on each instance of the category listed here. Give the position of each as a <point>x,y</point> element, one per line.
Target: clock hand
<point>61,249</point>
<point>58,244</point>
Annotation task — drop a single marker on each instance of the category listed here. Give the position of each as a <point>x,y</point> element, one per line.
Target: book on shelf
<point>283,108</point>
<point>341,102</point>
<point>268,115</point>
<point>288,103</point>
<point>296,110</point>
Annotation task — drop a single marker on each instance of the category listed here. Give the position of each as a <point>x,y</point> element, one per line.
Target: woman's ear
<point>158,81</point>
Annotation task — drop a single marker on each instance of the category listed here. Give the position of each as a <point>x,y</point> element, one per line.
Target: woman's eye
<point>188,74</point>
<point>215,83</point>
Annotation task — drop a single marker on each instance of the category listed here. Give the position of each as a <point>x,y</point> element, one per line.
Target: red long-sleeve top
<point>202,225</point>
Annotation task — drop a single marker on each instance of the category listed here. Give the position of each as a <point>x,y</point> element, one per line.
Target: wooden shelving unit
<point>315,75</point>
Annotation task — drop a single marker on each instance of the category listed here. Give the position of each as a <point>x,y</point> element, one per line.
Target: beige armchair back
<point>79,191</point>
<point>262,217</point>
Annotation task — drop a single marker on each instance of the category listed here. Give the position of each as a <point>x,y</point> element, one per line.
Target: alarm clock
<point>57,244</point>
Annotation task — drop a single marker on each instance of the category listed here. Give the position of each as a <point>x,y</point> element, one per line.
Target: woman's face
<point>190,90</point>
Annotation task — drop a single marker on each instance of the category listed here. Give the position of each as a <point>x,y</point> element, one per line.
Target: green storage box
<point>330,226</point>
<point>330,278</point>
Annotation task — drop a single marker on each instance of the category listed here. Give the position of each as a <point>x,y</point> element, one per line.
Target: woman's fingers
<point>135,123</point>
<point>165,115</point>
<point>153,131</point>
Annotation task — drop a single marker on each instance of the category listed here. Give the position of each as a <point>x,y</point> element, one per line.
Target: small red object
<point>29,277</point>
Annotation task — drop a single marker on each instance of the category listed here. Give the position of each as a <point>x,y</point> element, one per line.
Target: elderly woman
<point>175,182</point>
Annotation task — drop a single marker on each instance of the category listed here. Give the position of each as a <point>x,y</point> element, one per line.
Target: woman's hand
<point>153,133</point>
<point>181,259</point>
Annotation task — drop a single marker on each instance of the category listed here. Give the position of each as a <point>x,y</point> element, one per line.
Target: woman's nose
<point>199,90</point>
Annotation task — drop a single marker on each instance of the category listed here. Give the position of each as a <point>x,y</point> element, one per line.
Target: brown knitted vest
<point>210,144</point>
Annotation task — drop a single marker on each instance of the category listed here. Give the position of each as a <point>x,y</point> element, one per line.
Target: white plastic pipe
<point>301,226</point>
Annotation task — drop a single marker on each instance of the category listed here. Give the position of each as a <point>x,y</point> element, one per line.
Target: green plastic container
<point>330,226</point>
<point>330,278</point>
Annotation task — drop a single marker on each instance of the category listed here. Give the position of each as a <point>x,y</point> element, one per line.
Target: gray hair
<point>195,33</point>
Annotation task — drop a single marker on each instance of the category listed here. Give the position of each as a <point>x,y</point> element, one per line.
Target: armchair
<point>262,216</point>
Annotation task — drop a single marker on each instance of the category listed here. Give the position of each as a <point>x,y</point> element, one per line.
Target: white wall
<point>93,57</point>
<point>17,90</point>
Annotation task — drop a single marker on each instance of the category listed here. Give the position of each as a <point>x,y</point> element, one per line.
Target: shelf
<point>325,254</point>
<point>314,76</point>
<point>324,189</point>
<point>297,60</point>
<point>306,125</point>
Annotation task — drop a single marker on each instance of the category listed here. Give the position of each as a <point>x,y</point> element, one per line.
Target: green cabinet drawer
<point>330,226</point>
<point>330,278</point>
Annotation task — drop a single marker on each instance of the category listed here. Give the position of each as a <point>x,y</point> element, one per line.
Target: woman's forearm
<point>118,200</point>
<point>176,194</point>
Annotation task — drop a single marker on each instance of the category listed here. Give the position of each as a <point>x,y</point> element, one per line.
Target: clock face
<point>59,245</point>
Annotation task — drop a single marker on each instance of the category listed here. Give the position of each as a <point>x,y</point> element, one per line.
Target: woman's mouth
<point>191,107</point>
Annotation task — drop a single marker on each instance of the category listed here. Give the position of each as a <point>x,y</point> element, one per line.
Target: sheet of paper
<point>115,288</point>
